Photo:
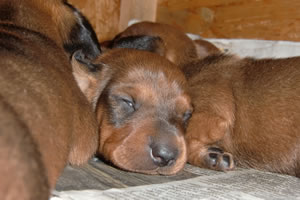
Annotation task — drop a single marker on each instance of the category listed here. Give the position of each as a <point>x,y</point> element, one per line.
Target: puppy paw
<point>217,159</point>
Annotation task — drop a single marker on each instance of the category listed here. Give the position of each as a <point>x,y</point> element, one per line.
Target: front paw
<point>216,159</point>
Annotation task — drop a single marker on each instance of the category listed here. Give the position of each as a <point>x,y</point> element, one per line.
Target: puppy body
<point>248,108</point>
<point>142,110</point>
<point>46,117</point>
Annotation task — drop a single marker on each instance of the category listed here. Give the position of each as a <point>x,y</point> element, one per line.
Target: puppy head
<point>143,111</point>
<point>165,40</point>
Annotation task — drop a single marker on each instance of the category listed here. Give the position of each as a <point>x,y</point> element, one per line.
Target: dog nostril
<point>163,156</point>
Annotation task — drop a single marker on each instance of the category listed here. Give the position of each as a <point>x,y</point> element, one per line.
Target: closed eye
<point>186,116</point>
<point>129,103</point>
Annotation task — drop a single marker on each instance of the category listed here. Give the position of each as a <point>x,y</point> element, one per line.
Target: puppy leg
<point>85,138</point>
<point>91,79</point>
<point>204,133</point>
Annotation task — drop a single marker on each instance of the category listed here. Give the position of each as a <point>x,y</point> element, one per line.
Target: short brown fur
<point>248,108</point>
<point>142,110</point>
<point>46,122</point>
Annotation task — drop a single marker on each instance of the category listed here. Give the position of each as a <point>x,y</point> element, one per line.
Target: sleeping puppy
<point>142,109</point>
<point>45,120</point>
<point>246,113</point>
<point>163,39</point>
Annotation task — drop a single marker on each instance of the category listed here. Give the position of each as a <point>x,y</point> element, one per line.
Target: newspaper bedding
<point>243,184</point>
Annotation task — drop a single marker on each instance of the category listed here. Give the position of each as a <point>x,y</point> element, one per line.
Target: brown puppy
<point>245,110</point>
<point>164,39</point>
<point>45,120</point>
<point>143,109</point>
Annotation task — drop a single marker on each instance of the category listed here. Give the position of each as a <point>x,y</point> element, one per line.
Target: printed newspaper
<point>242,184</point>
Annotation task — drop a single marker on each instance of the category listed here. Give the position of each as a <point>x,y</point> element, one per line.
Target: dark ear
<point>141,42</point>
<point>82,36</point>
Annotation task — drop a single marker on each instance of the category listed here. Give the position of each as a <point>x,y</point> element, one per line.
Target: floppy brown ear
<point>86,75</point>
<point>141,42</point>
<point>205,48</point>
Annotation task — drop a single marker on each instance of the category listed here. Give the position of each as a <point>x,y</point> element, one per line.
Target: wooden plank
<point>107,18</point>
<point>144,10</point>
<point>259,19</point>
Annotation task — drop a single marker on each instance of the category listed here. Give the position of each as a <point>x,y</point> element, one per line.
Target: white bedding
<point>258,48</point>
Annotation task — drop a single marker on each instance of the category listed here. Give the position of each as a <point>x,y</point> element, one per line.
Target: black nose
<point>163,155</point>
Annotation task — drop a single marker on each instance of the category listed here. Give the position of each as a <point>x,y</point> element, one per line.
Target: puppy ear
<point>86,62</point>
<point>141,42</point>
<point>86,75</point>
<point>205,48</point>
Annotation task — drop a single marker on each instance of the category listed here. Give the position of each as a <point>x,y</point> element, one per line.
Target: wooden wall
<point>136,9</point>
<point>262,19</point>
<point>259,19</point>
